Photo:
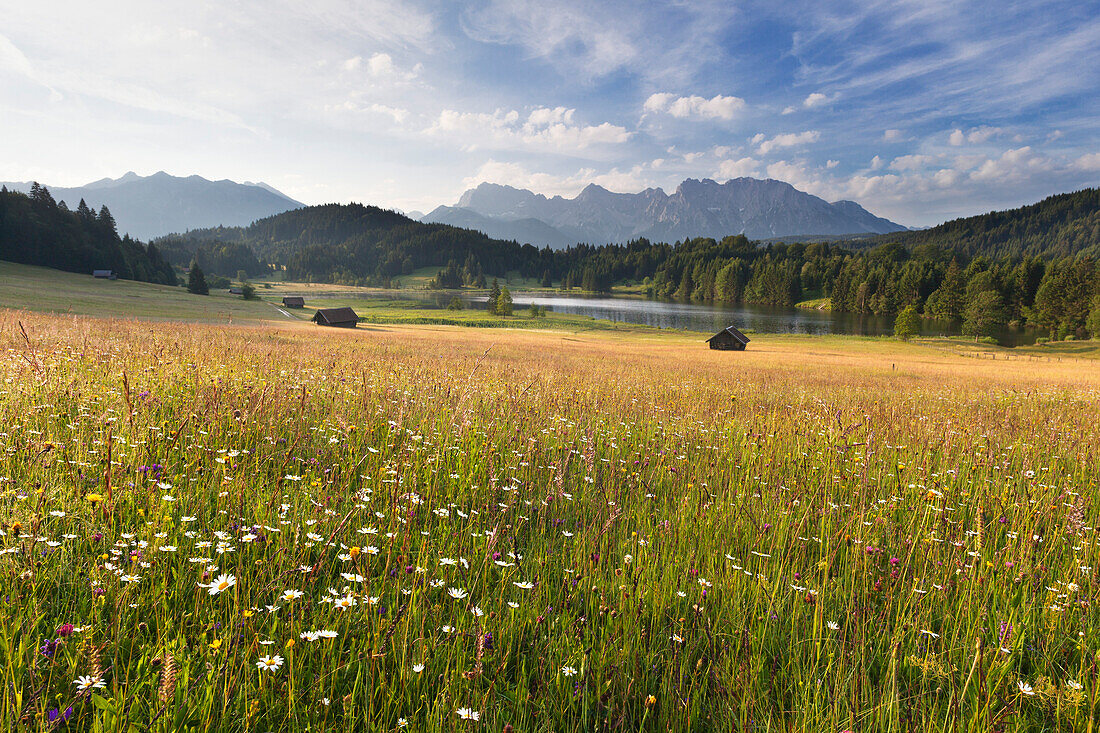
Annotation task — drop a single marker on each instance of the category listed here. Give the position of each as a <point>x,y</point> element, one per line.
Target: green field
<point>52,291</point>
<point>538,529</point>
<point>540,526</point>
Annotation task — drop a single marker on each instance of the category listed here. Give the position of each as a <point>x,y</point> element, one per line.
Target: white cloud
<point>982,134</point>
<point>1015,164</point>
<point>381,64</point>
<point>785,140</point>
<point>817,99</point>
<point>353,63</point>
<point>719,107</point>
<point>547,128</point>
<point>946,177</point>
<point>876,163</point>
<point>658,102</point>
<point>1089,162</point>
<point>397,113</point>
<point>799,175</point>
<point>737,168</point>
<point>830,164</point>
<point>893,135</point>
<point>790,110</point>
<point>910,162</point>
<point>974,136</point>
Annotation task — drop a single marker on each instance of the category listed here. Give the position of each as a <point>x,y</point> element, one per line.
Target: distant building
<point>339,317</point>
<point>729,339</point>
<point>105,274</point>
<point>236,290</point>
<point>294,301</point>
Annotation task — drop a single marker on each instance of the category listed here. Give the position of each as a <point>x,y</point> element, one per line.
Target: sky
<point>920,110</point>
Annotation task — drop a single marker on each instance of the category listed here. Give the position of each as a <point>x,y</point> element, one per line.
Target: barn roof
<point>731,331</point>
<point>330,316</point>
<point>293,300</point>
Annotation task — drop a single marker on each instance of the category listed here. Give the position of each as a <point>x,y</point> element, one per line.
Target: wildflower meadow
<point>210,528</point>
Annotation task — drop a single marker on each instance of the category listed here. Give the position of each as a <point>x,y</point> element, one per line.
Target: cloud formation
<point>784,140</point>
<point>920,109</point>
<point>543,127</point>
<point>718,107</point>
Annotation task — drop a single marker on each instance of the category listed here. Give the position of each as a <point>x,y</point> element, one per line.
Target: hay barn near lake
<point>338,317</point>
<point>729,339</point>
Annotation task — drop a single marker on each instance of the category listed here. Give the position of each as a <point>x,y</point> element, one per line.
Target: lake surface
<point>712,318</point>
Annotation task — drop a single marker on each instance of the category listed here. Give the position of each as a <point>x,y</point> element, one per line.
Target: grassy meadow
<point>52,291</point>
<point>428,528</point>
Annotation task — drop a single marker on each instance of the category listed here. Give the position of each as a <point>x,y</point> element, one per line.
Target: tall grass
<point>540,533</point>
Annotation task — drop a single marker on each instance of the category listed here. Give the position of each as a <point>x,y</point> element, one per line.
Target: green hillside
<point>1059,226</point>
<point>52,291</point>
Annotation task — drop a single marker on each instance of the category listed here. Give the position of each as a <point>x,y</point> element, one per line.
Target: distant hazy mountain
<point>759,209</point>
<point>526,230</point>
<point>149,206</point>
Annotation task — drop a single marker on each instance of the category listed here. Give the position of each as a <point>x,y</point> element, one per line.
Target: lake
<point>712,318</point>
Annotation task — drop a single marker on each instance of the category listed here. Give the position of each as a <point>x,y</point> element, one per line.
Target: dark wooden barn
<point>339,317</point>
<point>294,301</point>
<point>729,339</point>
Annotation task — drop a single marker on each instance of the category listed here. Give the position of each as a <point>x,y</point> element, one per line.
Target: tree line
<point>37,230</point>
<point>990,271</point>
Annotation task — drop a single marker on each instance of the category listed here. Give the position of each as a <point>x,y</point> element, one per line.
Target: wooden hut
<point>729,339</point>
<point>338,317</point>
<point>105,274</point>
<point>236,290</point>
<point>294,301</point>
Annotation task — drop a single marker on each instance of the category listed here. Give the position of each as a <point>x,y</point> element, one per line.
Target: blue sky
<point>920,110</point>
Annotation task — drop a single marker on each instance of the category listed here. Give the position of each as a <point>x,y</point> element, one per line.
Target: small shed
<point>294,301</point>
<point>105,274</point>
<point>338,317</point>
<point>729,339</point>
<point>236,290</point>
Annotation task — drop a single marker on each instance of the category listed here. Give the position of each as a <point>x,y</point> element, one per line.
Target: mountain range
<point>759,209</point>
<point>148,206</point>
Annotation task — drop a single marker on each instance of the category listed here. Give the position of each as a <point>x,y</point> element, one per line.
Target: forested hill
<point>352,243</point>
<point>1060,226</point>
<point>37,230</point>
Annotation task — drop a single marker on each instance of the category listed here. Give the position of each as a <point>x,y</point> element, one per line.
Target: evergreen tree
<point>196,281</point>
<point>504,302</point>
<point>84,212</point>
<point>106,220</point>
<point>494,297</point>
<point>686,285</point>
<point>947,301</point>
